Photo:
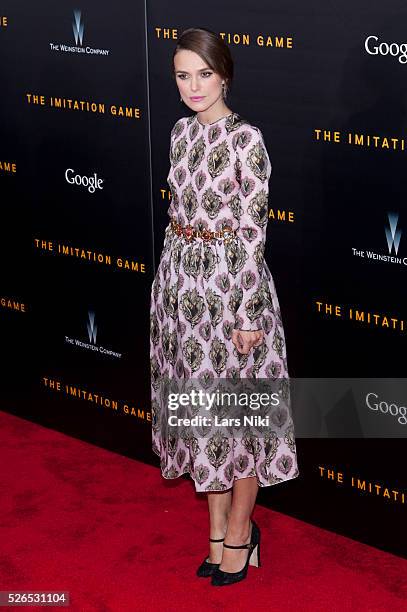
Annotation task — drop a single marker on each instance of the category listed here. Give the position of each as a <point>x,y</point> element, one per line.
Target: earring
<point>181,98</point>
<point>224,89</point>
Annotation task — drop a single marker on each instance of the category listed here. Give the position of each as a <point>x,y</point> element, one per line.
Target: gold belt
<point>189,232</point>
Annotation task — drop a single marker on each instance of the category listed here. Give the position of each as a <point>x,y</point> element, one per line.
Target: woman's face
<point>199,85</point>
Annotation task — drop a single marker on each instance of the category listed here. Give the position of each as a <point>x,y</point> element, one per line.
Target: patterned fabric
<point>202,290</point>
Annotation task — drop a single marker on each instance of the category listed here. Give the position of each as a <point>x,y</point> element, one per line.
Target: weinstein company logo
<point>393,235</point>
<point>92,345</point>
<point>78,31</point>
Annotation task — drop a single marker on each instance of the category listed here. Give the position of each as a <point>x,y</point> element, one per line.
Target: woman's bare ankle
<point>238,532</point>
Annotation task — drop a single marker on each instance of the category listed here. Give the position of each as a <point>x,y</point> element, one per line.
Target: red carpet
<point>118,537</point>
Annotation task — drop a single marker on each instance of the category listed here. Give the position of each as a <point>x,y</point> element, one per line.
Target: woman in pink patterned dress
<point>214,307</point>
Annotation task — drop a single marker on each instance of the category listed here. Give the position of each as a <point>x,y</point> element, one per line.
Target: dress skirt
<point>191,331</point>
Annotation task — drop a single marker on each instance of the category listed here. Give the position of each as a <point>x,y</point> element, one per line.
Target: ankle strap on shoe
<point>212,540</point>
<point>242,546</point>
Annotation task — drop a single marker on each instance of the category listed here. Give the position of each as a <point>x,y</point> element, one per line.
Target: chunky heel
<point>221,578</point>
<point>254,557</point>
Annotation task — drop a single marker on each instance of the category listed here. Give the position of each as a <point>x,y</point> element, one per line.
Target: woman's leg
<point>219,509</point>
<point>238,529</point>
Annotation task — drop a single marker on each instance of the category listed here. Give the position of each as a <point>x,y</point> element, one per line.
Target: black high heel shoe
<point>206,568</point>
<point>221,578</point>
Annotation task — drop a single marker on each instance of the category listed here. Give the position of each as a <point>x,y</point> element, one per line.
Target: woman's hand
<point>245,340</point>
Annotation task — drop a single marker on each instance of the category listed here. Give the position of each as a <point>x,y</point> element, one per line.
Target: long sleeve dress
<point>203,289</point>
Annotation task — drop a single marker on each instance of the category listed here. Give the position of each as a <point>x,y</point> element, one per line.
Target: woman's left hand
<point>245,340</point>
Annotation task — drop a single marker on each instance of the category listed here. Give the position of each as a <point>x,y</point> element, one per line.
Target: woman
<point>214,309</point>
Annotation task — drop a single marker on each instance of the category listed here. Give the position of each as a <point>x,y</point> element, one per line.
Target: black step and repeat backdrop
<point>87,106</point>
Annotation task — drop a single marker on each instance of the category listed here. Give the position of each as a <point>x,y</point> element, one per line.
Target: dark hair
<point>211,48</point>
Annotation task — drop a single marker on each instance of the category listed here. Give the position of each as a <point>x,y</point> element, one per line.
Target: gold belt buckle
<point>189,232</point>
<point>206,235</point>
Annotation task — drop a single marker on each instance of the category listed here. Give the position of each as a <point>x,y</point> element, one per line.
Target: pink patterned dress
<point>203,289</point>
